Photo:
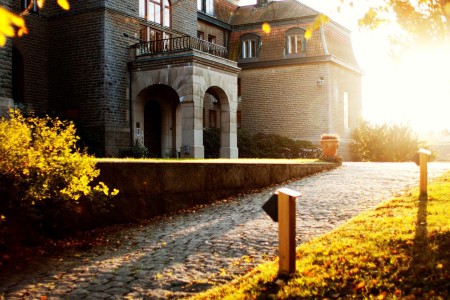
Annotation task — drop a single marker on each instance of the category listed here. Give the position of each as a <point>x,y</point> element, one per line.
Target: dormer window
<point>295,41</point>
<point>206,6</point>
<point>248,48</point>
<point>250,45</point>
<point>32,4</point>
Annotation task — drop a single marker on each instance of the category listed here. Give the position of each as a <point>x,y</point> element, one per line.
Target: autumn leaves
<point>12,24</point>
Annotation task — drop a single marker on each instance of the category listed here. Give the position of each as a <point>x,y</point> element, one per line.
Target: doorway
<point>152,125</point>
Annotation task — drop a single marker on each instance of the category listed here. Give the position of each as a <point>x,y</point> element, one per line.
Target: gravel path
<point>184,254</point>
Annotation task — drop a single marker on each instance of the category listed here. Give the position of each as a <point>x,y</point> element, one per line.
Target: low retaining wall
<point>149,188</point>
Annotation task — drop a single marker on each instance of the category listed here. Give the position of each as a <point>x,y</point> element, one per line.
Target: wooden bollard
<point>286,230</point>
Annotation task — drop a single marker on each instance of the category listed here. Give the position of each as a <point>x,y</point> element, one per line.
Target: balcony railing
<point>180,44</point>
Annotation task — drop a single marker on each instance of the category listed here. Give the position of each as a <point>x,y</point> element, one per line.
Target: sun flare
<point>414,90</point>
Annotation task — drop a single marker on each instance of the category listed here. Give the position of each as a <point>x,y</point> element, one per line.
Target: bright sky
<point>414,90</point>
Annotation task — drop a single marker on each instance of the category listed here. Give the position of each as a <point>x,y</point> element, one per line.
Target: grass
<point>400,250</point>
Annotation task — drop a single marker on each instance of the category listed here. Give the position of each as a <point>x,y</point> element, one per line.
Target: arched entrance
<point>157,118</point>
<point>218,118</point>
<point>152,125</point>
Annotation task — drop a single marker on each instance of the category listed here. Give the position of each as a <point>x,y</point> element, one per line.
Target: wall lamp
<point>320,81</point>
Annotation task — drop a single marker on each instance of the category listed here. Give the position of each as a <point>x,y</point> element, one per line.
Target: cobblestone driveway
<point>188,253</point>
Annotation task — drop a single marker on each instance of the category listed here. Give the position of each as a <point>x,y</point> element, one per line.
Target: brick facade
<point>83,55</point>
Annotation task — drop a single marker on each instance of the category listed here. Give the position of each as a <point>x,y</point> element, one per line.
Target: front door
<point>152,128</point>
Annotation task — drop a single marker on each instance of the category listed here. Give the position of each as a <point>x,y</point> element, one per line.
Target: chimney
<point>262,3</point>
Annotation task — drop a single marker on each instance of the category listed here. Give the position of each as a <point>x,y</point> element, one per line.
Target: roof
<point>335,40</point>
<point>339,44</point>
<point>274,11</point>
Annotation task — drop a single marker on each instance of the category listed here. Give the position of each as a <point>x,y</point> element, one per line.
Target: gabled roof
<point>274,11</point>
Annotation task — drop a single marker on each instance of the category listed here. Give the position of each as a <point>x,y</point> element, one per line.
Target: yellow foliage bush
<point>40,160</point>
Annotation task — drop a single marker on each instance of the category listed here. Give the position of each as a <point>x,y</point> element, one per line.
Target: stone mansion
<point>160,71</point>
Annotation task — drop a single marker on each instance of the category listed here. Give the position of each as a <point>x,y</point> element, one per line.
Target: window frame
<point>250,46</point>
<point>206,6</point>
<point>346,110</point>
<point>163,17</point>
<point>34,8</point>
<point>212,118</point>
<point>212,39</point>
<point>295,33</point>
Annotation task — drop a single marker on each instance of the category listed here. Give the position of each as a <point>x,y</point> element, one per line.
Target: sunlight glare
<point>415,91</point>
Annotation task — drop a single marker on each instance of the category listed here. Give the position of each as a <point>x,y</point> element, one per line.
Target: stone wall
<point>149,189</point>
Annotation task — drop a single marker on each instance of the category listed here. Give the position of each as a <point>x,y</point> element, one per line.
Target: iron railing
<point>179,44</point>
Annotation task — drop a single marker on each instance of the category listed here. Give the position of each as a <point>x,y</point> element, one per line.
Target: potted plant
<point>329,144</point>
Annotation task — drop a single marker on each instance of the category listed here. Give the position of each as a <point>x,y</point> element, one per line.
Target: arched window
<point>250,45</point>
<point>18,77</point>
<point>295,41</point>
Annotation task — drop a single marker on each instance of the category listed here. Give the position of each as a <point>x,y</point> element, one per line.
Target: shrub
<point>138,150</point>
<point>40,164</point>
<point>260,145</point>
<point>385,143</point>
<point>211,142</point>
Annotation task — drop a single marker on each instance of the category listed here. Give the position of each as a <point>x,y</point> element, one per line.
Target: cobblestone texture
<point>188,253</point>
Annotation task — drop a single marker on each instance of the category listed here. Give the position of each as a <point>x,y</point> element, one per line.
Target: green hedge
<point>260,145</point>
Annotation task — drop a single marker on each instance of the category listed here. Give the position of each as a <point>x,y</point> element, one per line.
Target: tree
<point>423,20</point>
<point>12,24</point>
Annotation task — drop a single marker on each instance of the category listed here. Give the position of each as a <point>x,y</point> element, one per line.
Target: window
<point>204,117</point>
<point>248,48</point>
<point>33,7</point>
<point>346,117</point>
<point>157,11</point>
<point>239,87</point>
<point>201,35</point>
<point>211,39</point>
<point>18,76</point>
<point>295,41</point>
<point>212,118</point>
<point>206,6</point>
<point>72,113</point>
<point>238,118</point>
<point>250,44</point>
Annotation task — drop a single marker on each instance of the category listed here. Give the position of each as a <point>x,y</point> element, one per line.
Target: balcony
<point>182,43</point>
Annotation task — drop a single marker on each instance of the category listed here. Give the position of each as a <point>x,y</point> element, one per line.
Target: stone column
<point>228,129</point>
<point>192,132</point>
<point>228,133</point>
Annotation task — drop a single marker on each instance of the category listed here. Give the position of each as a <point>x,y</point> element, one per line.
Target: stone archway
<point>188,77</point>
<point>157,118</point>
<point>225,120</point>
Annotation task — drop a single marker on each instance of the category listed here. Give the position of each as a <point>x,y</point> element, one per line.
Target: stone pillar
<point>192,132</point>
<point>228,132</point>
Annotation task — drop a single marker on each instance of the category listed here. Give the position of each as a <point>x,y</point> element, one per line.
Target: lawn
<point>400,250</point>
